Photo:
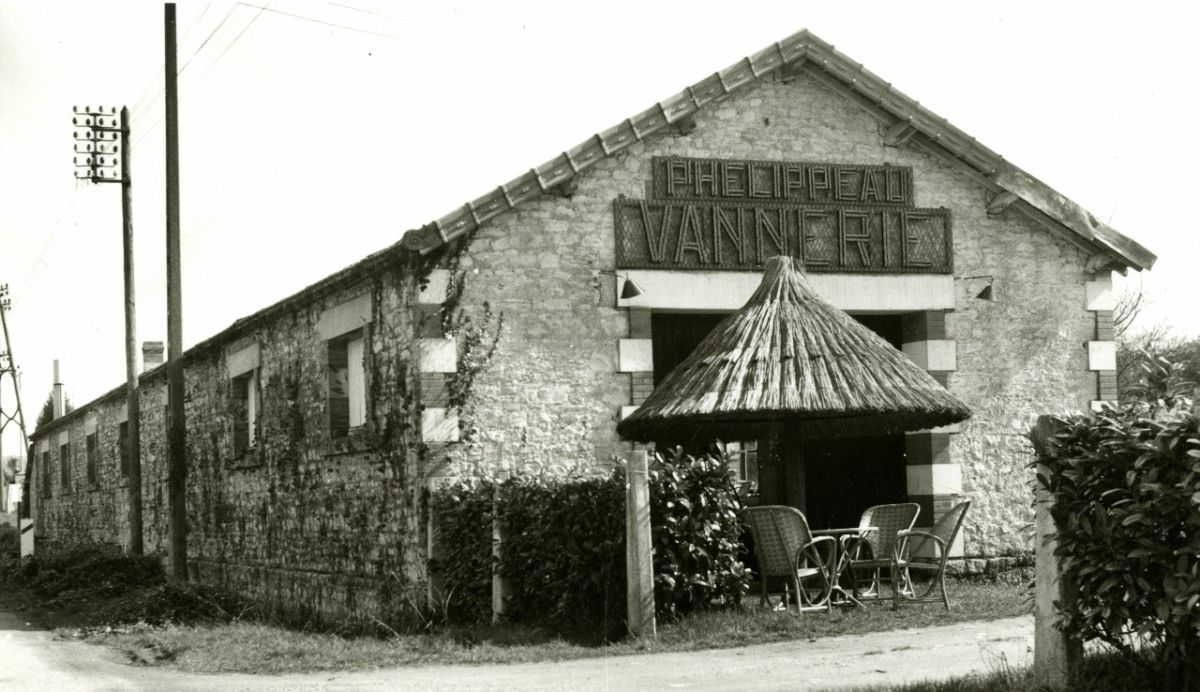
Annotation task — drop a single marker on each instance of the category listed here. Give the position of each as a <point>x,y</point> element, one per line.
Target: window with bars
<point>92,455</point>
<point>347,383</point>
<point>246,405</point>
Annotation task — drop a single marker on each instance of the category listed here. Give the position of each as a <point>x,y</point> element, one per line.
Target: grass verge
<point>93,594</point>
<point>250,647</point>
<point>1100,671</point>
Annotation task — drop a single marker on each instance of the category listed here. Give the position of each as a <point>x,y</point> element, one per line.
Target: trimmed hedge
<point>563,544</point>
<point>1126,486</point>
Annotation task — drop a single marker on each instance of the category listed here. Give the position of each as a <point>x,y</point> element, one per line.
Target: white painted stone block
<point>1102,355</point>
<point>1098,405</point>
<point>242,361</point>
<point>345,317</point>
<point>627,411</point>
<point>940,355</point>
<point>1100,294</point>
<point>439,354</point>
<point>439,425</point>
<point>934,479</point>
<point>718,291</point>
<point>434,292</point>
<point>635,355</point>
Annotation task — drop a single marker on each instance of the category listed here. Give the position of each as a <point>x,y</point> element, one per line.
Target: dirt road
<point>33,660</point>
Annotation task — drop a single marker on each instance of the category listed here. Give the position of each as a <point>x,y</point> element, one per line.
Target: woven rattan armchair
<point>926,551</point>
<point>871,549</point>
<point>786,548</point>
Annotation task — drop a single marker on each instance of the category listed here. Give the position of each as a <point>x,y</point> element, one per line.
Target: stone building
<point>505,338</point>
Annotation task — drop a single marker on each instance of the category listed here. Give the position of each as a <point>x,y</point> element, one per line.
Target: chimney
<point>59,404</point>
<point>152,355</point>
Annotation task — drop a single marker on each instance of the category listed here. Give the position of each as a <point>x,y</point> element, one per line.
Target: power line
<point>154,80</point>
<point>147,131</point>
<point>377,14</point>
<point>332,24</point>
<point>141,115</point>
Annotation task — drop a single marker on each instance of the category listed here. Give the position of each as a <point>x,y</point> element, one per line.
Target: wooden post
<point>1055,655</point>
<point>176,436</point>
<point>639,563</point>
<point>133,447</point>
<point>499,586</point>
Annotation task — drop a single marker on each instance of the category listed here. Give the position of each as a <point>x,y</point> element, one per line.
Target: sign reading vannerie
<point>710,214</point>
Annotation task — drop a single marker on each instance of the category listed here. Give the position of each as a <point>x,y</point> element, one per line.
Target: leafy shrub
<point>87,569</point>
<point>564,544</point>
<point>694,507</point>
<point>564,552</point>
<point>463,549</point>
<point>10,541</point>
<point>1126,486</point>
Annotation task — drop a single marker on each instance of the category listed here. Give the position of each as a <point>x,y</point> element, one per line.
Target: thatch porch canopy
<point>791,361</point>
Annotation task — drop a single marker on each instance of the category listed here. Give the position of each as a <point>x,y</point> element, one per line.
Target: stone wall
<point>302,522</point>
<point>553,394</point>
<point>335,526</point>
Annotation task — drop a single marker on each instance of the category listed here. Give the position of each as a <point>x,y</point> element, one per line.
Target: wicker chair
<point>926,551</point>
<point>871,551</point>
<point>786,548</point>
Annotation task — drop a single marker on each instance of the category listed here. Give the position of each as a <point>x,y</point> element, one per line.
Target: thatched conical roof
<point>789,358</point>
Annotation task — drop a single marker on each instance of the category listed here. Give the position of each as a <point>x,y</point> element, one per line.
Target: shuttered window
<point>123,447</point>
<point>64,456</point>
<point>245,407</point>
<point>91,459</point>
<point>47,487</point>
<point>347,383</point>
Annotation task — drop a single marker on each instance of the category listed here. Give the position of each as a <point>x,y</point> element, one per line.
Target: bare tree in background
<point>1151,361</point>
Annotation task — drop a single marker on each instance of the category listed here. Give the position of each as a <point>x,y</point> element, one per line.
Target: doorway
<point>837,479</point>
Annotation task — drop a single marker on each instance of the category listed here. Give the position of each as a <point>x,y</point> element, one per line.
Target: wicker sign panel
<point>733,215</point>
<point>781,181</point>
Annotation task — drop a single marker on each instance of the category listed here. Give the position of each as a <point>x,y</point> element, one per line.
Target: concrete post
<point>499,586</point>
<point>639,563</point>
<point>1055,655</point>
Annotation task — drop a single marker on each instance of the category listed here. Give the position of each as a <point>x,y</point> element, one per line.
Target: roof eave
<point>799,48</point>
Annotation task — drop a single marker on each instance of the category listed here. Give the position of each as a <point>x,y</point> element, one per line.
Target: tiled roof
<point>911,123</point>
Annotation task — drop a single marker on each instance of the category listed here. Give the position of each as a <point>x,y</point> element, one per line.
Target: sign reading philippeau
<point>734,214</point>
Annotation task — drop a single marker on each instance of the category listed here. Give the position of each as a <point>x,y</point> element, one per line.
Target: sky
<point>314,133</point>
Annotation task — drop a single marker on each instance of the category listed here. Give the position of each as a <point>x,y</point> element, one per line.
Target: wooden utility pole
<point>100,135</point>
<point>133,445</point>
<point>176,435</point>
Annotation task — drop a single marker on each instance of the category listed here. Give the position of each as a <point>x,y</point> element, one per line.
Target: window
<point>64,455</point>
<point>743,458</point>
<point>347,383</point>
<point>123,447</point>
<point>246,405</point>
<point>91,459</point>
<point>47,490</point>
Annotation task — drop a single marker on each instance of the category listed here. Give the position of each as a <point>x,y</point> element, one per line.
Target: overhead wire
<point>377,14</point>
<point>332,24</point>
<point>139,118</point>
<point>211,65</point>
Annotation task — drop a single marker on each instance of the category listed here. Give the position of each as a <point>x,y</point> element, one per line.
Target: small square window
<point>347,383</point>
<point>245,405</point>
